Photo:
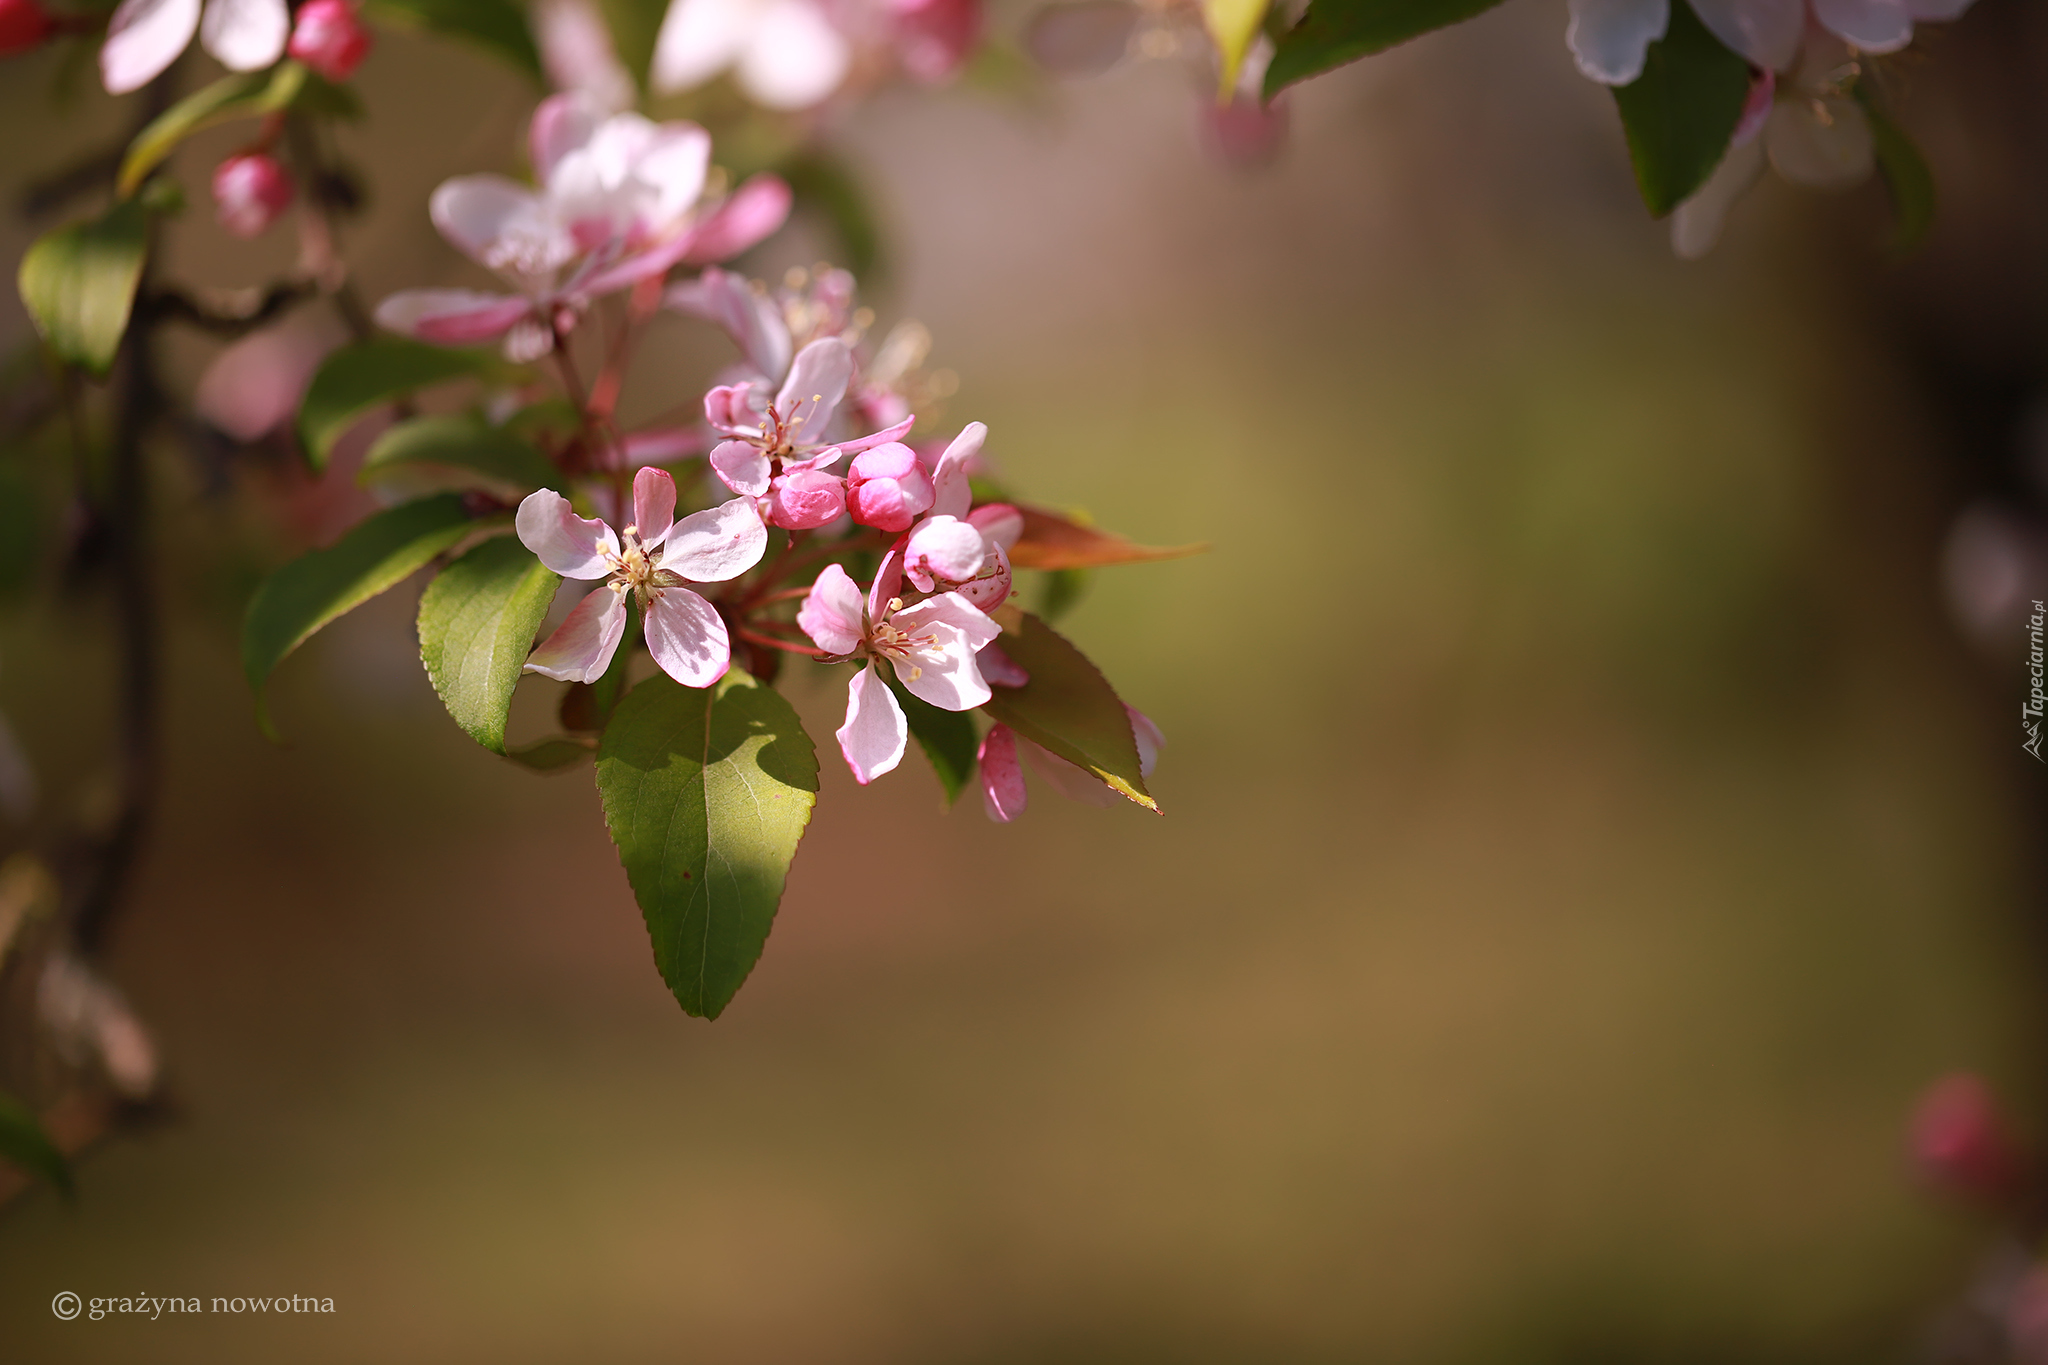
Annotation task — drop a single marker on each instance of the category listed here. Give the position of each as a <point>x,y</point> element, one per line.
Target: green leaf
<point>477,622</point>
<point>79,284</point>
<point>553,754</point>
<point>357,378</point>
<point>948,739</point>
<point>24,1143</point>
<point>1061,591</point>
<point>466,442</point>
<point>706,792</point>
<point>1681,112</point>
<point>313,589</point>
<point>1068,706</point>
<point>496,26</point>
<point>249,95</point>
<point>1906,176</point>
<point>1334,32</point>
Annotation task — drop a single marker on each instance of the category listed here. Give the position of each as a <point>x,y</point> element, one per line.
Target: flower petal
<point>888,582</point>
<point>1696,225</point>
<point>999,669</point>
<point>741,466</point>
<point>876,438</point>
<point>794,57</point>
<point>953,610</point>
<point>831,614</point>
<point>1001,523</point>
<point>581,650</point>
<point>1765,31</point>
<point>573,546</point>
<point>817,381</point>
<point>452,317</point>
<point>1873,25</point>
<point>1610,38</point>
<point>1002,778</point>
<point>576,51</point>
<point>875,732</point>
<point>687,638</point>
<point>143,38</point>
<point>806,500</point>
<point>245,35</point>
<point>698,39</point>
<point>943,547</point>
<point>475,211</point>
<point>943,672</point>
<point>757,208</point>
<point>951,494</point>
<point>752,319</point>
<point>654,505</point>
<point>561,124</point>
<point>1822,142</point>
<point>715,545</point>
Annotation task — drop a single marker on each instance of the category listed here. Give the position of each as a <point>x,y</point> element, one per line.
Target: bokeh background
<point>1587,830</point>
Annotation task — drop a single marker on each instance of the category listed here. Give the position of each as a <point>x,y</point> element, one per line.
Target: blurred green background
<point>1585,835</point>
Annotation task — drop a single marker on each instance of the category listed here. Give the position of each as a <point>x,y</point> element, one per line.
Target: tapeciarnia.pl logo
<point>2037,700</point>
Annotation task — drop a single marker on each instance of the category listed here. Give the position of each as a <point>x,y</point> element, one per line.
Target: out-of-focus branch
<point>231,314</point>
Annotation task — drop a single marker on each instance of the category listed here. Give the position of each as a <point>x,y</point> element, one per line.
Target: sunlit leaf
<point>477,622</point>
<point>1334,32</point>
<point>1051,541</point>
<point>1068,707</point>
<point>464,442</point>
<point>313,589</point>
<point>357,378</point>
<point>498,27</point>
<point>948,739</point>
<point>79,284</point>
<point>24,1144</point>
<point>706,792</point>
<point>1681,112</point>
<point>248,95</point>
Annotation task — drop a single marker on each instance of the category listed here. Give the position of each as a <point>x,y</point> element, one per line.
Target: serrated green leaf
<point>1232,24</point>
<point>1068,706</point>
<point>465,442</point>
<point>706,793</point>
<point>496,26</point>
<point>1907,178</point>
<point>1334,32</point>
<point>477,622</point>
<point>1681,112</point>
<point>249,95</point>
<point>79,284</point>
<point>313,589</point>
<point>948,739</point>
<point>357,378</point>
<point>24,1143</point>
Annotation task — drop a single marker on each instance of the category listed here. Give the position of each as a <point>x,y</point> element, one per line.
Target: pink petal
<point>951,495</point>
<point>806,500</point>
<point>1148,738</point>
<point>989,589</point>
<point>888,582</point>
<point>687,638</point>
<point>831,614</point>
<point>730,407</point>
<point>893,433</point>
<point>559,126</point>
<point>715,545</point>
<point>755,210</point>
<point>577,53</point>
<point>581,650</point>
<point>698,39</point>
<point>999,669</point>
<point>752,319</point>
<point>1002,777</point>
<point>573,546</point>
<point>875,732</point>
<point>143,38</point>
<point>943,547</point>
<point>999,522</point>
<point>794,57</point>
<point>245,35</point>
<point>741,466</point>
<point>475,211</point>
<point>654,505</point>
<point>638,265</point>
<point>452,317</point>
<point>817,381</point>
<point>953,610</point>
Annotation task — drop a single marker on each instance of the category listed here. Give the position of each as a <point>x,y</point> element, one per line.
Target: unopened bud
<point>1960,1142</point>
<point>887,488</point>
<point>24,24</point>
<point>330,38</point>
<point>249,192</point>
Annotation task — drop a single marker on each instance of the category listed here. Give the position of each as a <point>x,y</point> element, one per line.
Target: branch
<point>230,313</point>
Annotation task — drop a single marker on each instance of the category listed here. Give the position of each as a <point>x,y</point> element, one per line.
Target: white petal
<point>562,124</point>
<point>951,609</point>
<point>1696,226</point>
<point>246,35</point>
<point>687,638</point>
<point>1610,38</point>
<point>480,213</point>
<point>1825,143</point>
<point>674,166</point>
<point>794,57</point>
<point>943,548</point>
<point>698,39</point>
<point>952,494</point>
<point>943,673</point>
<point>831,614</point>
<point>875,732</point>
<point>715,545</point>
<point>742,467</point>
<point>581,650</point>
<point>1765,31</point>
<point>817,381</point>
<point>143,38</point>
<point>1873,25</point>
<point>573,546</point>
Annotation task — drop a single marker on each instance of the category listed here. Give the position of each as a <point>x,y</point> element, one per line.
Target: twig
<point>239,315</point>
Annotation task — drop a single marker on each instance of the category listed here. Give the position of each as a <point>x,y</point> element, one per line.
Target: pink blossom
<point>957,549</point>
<point>1002,776</point>
<point>652,559</point>
<point>887,488</point>
<point>145,36</point>
<point>249,192</point>
<point>1959,1139</point>
<point>329,37</point>
<point>930,646</point>
<point>784,54</point>
<point>577,53</point>
<point>934,37</point>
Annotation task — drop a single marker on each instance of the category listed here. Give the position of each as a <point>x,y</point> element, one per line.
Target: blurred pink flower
<point>145,36</point>
<point>254,386</point>
<point>250,190</point>
<point>1002,780</point>
<point>784,54</point>
<point>1959,1140</point>
<point>1610,38</point>
<point>24,24</point>
<point>330,37</point>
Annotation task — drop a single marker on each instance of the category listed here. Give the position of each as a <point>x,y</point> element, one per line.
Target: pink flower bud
<point>887,487</point>
<point>249,191</point>
<point>934,36</point>
<point>23,26</point>
<point>330,38</point>
<point>805,500</point>
<point>1960,1143</point>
